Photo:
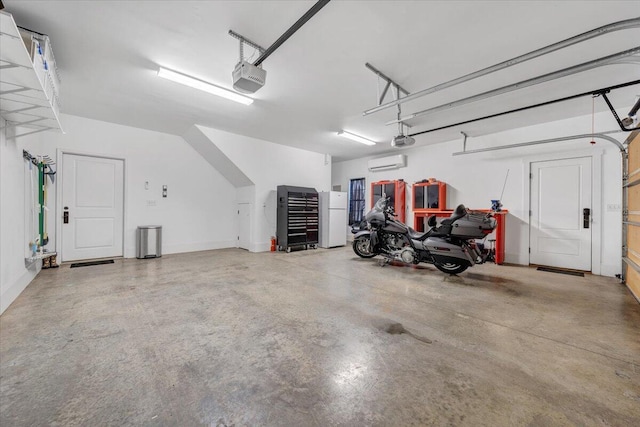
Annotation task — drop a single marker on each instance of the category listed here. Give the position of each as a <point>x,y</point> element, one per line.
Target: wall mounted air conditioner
<point>386,163</point>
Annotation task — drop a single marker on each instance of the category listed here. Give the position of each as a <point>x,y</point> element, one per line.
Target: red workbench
<point>501,219</point>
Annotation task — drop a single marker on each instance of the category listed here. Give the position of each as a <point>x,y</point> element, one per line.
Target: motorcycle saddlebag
<point>474,225</point>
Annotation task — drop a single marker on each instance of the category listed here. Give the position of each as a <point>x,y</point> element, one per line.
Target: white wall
<point>200,203</point>
<point>269,165</point>
<point>14,277</point>
<point>477,178</point>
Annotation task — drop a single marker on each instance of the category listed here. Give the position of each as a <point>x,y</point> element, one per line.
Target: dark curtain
<point>356,200</point>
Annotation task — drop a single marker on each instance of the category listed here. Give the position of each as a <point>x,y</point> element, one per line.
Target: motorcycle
<point>450,246</point>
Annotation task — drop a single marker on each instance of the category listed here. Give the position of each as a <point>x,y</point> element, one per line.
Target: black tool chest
<point>297,218</point>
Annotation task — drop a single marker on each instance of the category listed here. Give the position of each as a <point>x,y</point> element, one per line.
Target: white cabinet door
<point>560,192</point>
<point>93,205</point>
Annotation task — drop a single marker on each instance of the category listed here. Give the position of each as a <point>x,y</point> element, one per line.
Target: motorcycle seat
<point>460,212</point>
<point>416,235</point>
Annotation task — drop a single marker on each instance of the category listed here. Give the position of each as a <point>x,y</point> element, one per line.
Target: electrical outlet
<point>151,202</point>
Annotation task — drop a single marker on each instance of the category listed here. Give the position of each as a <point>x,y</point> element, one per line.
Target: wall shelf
<point>27,98</point>
<point>28,262</point>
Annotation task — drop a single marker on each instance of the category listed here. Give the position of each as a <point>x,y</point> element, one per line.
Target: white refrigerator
<point>333,219</point>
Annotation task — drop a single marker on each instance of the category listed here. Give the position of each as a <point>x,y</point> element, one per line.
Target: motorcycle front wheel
<point>362,247</point>
<point>451,267</point>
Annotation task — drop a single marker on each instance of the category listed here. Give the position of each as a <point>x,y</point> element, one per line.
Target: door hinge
<point>529,250</point>
<point>530,212</point>
<point>238,237</point>
<point>530,175</point>
<point>238,212</point>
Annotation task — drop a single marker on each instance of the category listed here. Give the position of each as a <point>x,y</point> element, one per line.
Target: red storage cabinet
<point>396,190</point>
<point>429,195</point>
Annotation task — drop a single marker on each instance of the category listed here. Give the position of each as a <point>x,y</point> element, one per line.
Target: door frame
<point>60,152</point>
<point>250,207</point>
<point>596,197</point>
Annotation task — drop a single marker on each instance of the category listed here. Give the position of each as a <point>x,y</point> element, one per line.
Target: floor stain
<point>395,328</point>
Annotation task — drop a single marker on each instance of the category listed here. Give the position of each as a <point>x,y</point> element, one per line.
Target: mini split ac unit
<point>386,163</point>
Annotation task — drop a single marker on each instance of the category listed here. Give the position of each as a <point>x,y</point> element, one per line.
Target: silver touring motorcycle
<point>451,246</point>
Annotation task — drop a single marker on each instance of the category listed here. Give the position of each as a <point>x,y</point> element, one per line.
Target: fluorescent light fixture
<point>357,138</point>
<point>204,86</point>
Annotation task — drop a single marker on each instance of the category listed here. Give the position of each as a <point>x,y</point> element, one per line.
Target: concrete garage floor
<point>232,338</point>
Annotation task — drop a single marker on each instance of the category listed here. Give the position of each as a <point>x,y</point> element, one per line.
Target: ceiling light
<point>202,85</point>
<point>357,138</point>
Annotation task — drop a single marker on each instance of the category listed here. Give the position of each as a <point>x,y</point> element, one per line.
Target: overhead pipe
<point>523,84</point>
<point>295,27</point>
<point>542,104</point>
<point>616,26</point>
<point>600,135</point>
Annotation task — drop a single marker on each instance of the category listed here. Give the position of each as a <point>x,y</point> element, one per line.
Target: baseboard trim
<point>14,291</point>
<point>261,247</point>
<point>609,270</point>
<point>516,259</point>
<point>196,247</point>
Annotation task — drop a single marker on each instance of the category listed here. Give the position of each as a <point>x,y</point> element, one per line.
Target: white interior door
<point>244,225</point>
<point>92,207</point>
<point>560,232</point>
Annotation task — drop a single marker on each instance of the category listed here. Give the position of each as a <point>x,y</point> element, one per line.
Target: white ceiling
<point>108,54</point>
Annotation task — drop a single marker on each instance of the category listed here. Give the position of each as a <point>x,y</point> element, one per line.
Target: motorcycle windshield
<point>380,206</point>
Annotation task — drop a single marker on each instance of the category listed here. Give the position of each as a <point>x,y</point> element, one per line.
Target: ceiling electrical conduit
<point>606,60</point>
<point>616,26</point>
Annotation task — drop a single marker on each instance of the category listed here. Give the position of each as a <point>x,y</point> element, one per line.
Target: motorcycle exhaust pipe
<point>475,253</point>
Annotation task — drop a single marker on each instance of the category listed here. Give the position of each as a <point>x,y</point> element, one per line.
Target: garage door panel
<point>633,282</point>
<point>634,156</point>
<point>632,276</point>
<point>633,242</point>
<point>634,198</point>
